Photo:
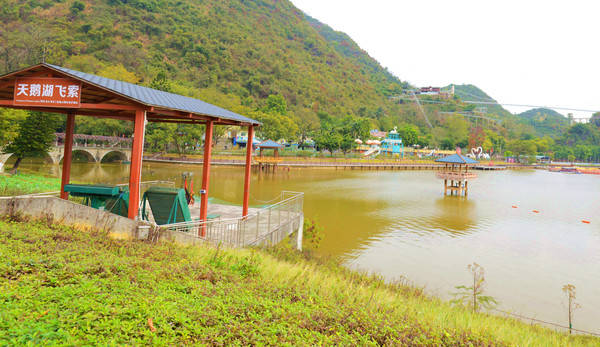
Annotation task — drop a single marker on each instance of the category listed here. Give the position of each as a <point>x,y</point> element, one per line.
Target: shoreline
<point>340,164</point>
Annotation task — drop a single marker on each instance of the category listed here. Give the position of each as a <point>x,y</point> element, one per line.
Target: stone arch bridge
<point>93,154</point>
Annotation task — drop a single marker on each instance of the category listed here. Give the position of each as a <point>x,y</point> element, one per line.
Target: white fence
<point>267,226</point>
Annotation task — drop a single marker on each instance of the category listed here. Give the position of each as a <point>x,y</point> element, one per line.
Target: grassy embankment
<point>23,183</point>
<point>64,286</point>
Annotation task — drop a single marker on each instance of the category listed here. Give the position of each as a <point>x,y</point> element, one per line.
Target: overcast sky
<point>518,52</point>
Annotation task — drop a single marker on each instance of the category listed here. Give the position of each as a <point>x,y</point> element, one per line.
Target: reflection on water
<point>454,214</point>
<point>398,223</point>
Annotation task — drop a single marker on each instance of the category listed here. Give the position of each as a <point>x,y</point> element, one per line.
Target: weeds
<point>570,290</point>
<point>473,296</point>
<point>61,286</point>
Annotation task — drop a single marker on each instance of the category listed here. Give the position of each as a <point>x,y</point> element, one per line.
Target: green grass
<point>23,183</point>
<point>63,286</point>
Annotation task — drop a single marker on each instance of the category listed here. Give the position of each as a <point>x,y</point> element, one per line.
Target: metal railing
<point>267,226</point>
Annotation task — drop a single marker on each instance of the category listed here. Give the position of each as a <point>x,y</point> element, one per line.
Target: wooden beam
<point>247,171</point>
<point>110,107</point>
<point>180,114</point>
<point>67,111</point>
<point>155,120</point>
<point>67,156</point>
<point>7,84</point>
<point>135,170</point>
<point>208,134</point>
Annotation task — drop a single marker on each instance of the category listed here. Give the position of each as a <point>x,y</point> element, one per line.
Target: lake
<point>399,224</point>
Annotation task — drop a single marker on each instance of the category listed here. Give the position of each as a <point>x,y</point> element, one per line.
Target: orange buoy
<point>536,211</point>
<point>585,221</point>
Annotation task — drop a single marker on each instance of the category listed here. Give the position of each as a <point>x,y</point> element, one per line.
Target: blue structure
<point>393,144</point>
<point>242,139</point>
<point>456,159</point>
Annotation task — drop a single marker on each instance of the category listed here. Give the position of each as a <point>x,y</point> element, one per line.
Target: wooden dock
<point>489,168</point>
<point>338,165</point>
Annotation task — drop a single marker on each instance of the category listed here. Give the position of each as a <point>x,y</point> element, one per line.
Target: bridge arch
<point>116,153</point>
<point>89,155</point>
<point>6,158</point>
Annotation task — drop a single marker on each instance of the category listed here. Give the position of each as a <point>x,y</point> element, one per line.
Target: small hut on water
<point>265,163</point>
<point>457,172</point>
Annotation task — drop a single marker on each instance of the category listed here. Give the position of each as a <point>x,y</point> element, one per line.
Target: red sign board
<point>47,92</point>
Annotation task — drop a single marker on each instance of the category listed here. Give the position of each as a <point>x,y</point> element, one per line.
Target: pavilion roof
<point>159,104</point>
<point>269,144</point>
<point>456,159</point>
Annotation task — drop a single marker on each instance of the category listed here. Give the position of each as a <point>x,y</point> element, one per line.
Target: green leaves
<point>472,296</point>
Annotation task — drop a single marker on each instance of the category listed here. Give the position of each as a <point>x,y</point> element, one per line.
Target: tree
<point>409,134</point>
<point>476,137</point>
<point>457,131</point>
<point>583,152</point>
<point>9,123</point>
<point>570,290</point>
<point>161,82</point>
<point>118,72</point>
<point>276,104</point>
<point>275,126</point>
<point>36,134</point>
<point>103,126</point>
<point>473,295</point>
<point>308,125</point>
<point>160,135</point>
<point>187,137</point>
<point>353,127</point>
<point>77,7</point>
<point>595,119</point>
<point>328,140</point>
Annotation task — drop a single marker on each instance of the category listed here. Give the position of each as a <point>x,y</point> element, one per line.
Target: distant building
<point>377,133</point>
<point>436,91</point>
<point>430,90</point>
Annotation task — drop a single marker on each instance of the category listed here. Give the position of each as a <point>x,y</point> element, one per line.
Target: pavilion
<point>54,89</point>
<point>269,144</point>
<point>457,172</point>
<point>266,163</point>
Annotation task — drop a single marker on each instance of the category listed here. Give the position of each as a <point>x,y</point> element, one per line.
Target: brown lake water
<point>399,224</point>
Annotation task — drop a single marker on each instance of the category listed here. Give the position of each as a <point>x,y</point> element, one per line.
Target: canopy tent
<point>50,88</point>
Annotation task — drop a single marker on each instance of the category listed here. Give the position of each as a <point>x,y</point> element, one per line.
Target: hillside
<point>546,122</point>
<point>344,45</point>
<point>470,92</point>
<point>542,113</point>
<point>229,52</point>
<point>264,59</point>
<point>60,286</point>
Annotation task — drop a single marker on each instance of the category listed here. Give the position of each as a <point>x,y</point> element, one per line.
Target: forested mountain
<point>264,58</point>
<point>244,50</point>
<point>542,113</point>
<point>546,122</point>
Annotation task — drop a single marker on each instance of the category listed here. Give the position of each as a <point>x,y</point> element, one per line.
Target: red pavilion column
<point>67,156</point>
<point>205,175</point>
<point>247,171</point>
<point>135,170</point>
